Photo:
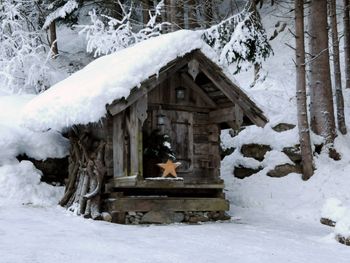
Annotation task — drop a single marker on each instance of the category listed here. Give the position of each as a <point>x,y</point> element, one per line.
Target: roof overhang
<point>212,71</point>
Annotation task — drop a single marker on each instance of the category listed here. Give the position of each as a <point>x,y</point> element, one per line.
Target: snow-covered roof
<point>82,97</point>
<point>16,140</point>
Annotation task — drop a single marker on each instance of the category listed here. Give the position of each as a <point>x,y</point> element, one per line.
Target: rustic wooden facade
<point>190,100</point>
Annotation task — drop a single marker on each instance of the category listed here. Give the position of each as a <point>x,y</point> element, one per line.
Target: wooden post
<point>118,143</point>
<point>145,9</point>
<point>133,128</point>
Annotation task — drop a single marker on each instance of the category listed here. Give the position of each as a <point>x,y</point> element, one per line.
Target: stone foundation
<point>167,217</point>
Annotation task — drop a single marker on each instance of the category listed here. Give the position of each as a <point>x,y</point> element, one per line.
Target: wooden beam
<point>149,84</point>
<point>198,90</point>
<point>122,104</point>
<point>144,204</point>
<point>177,107</point>
<point>231,91</point>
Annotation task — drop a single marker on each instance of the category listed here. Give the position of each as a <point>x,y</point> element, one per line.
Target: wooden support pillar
<point>138,114</point>
<point>133,128</point>
<point>118,145</point>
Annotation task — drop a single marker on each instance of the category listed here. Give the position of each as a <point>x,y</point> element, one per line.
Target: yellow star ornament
<point>169,168</point>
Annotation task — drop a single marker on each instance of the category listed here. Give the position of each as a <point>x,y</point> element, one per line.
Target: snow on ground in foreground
<point>33,234</point>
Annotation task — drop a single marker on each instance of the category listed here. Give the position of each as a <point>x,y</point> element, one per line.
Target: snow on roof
<point>16,140</point>
<point>82,97</point>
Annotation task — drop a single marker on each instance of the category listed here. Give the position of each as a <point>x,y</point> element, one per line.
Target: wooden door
<point>179,126</point>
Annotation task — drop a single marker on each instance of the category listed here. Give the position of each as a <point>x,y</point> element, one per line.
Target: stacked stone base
<point>168,217</point>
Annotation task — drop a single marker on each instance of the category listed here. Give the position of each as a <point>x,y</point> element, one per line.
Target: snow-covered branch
<point>105,38</point>
<point>23,64</point>
<point>240,38</point>
<point>61,12</point>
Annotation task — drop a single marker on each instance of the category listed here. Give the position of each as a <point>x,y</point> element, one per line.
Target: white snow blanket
<point>82,97</point>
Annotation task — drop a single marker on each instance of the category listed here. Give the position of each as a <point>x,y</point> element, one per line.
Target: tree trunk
<point>336,67</point>
<point>180,14</point>
<point>321,106</point>
<point>145,11</point>
<point>172,15</point>
<point>192,14</point>
<point>53,39</point>
<point>208,13</point>
<point>346,22</point>
<point>303,124</point>
<point>257,67</point>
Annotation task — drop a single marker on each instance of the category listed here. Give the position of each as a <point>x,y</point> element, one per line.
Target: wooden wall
<point>193,137</point>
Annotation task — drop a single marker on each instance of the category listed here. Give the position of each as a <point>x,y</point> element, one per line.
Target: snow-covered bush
<point>238,39</point>
<point>60,12</point>
<point>108,37</point>
<point>23,64</point>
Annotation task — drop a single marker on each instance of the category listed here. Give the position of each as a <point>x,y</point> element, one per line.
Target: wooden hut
<point>125,113</point>
<point>187,104</point>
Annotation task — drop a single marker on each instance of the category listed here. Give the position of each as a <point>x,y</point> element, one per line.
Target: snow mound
<point>290,196</point>
<point>82,97</point>
<point>16,140</point>
<point>342,227</point>
<point>20,184</point>
<point>333,209</point>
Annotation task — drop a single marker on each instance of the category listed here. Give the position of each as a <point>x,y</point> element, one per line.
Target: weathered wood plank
<point>191,84</point>
<point>154,106</point>
<point>149,84</point>
<point>234,93</point>
<point>222,115</point>
<point>201,148</point>
<point>159,184</point>
<point>143,204</point>
<point>133,129</point>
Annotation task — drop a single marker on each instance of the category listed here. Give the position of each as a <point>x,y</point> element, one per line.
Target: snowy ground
<point>37,234</point>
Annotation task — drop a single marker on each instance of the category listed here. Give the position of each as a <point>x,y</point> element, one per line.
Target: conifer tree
<point>303,124</point>
<point>321,106</point>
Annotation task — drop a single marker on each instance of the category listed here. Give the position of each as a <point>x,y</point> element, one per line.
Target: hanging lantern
<point>180,93</point>
<point>160,119</point>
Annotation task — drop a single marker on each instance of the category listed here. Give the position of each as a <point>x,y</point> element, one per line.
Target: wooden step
<point>160,203</point>
<point>160,184</point>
